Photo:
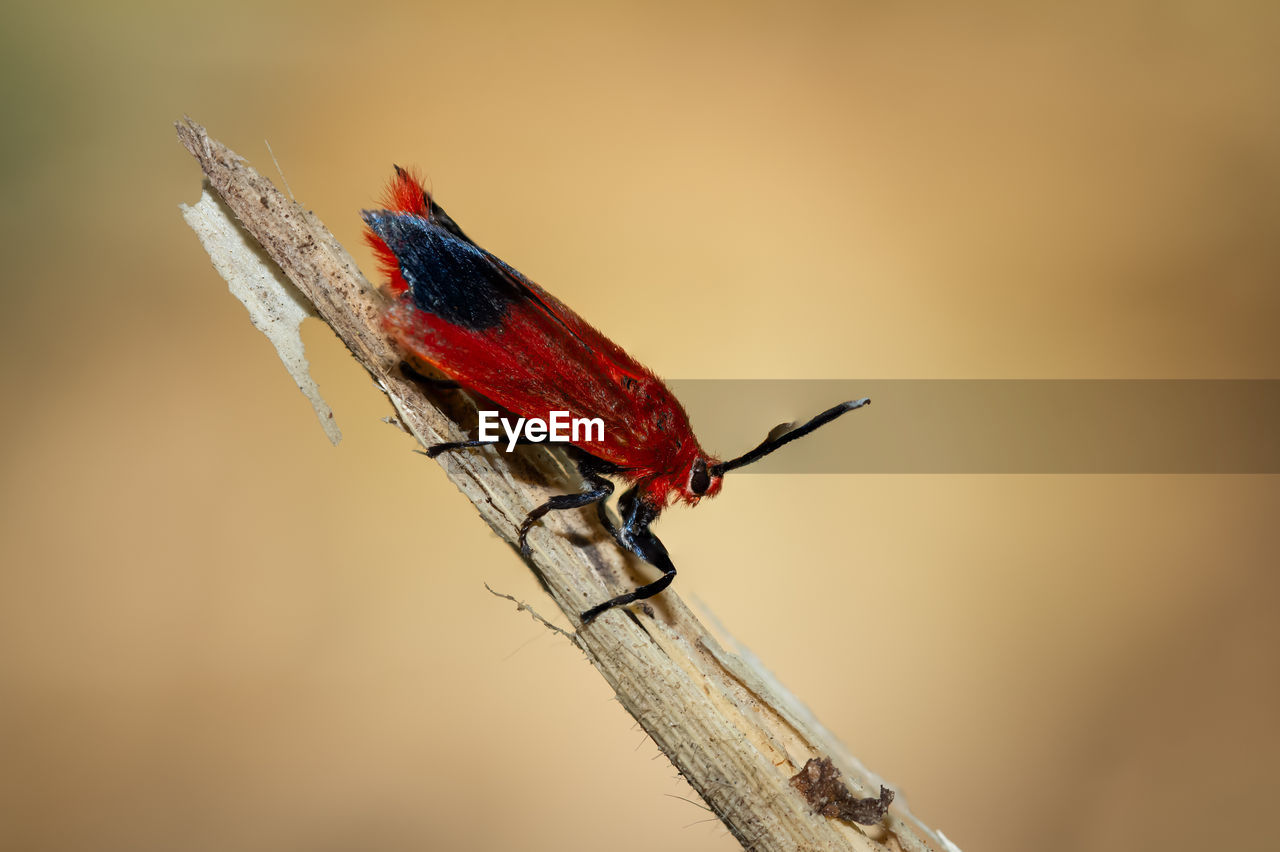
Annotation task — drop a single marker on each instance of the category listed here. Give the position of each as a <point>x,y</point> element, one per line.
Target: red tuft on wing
<point>404,195</point>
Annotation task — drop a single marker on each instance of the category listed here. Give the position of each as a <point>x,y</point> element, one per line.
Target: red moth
<point>463,311</point>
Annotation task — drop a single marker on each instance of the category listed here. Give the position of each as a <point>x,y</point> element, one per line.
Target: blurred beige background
<point>217,632</point>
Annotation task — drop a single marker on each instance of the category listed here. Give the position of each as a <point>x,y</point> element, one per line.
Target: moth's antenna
<point>771,444</point>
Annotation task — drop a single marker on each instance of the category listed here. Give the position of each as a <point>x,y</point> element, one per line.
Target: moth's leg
<point>589,465</point>
<point>635,536</point>
<point>602,509</point>
<point>436,449</point>
<point>598,490</point>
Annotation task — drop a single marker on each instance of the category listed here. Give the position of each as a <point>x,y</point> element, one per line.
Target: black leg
<point>602,509</point>
<point>635,536</point>
<point>600,489</point>
<point>436,449</point>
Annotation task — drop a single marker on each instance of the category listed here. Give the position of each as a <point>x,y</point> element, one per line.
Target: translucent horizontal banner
<point>986,426</point>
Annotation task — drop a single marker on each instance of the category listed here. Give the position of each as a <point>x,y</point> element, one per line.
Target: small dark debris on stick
<point>819,782</point>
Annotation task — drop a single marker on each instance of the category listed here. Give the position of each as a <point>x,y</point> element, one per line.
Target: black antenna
<point>771,444</point>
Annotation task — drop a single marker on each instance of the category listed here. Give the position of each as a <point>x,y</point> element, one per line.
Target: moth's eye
<point>699,479</point>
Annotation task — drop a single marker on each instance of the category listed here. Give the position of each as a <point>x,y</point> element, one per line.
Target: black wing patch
<point>448,275</point>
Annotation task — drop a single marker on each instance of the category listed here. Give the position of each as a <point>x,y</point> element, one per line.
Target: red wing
<point>465,312</point>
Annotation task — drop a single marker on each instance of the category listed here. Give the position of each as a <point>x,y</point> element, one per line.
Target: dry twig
<point>731,730</point>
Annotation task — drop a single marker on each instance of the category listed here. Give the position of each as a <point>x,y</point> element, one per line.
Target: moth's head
<point>700,480</point>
